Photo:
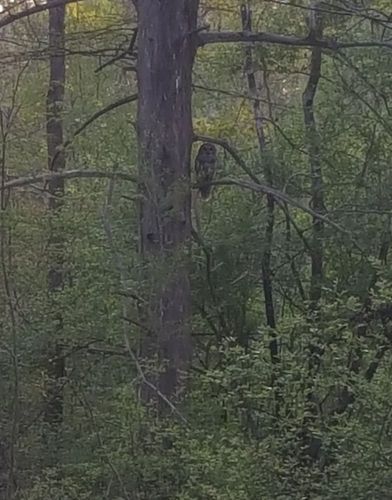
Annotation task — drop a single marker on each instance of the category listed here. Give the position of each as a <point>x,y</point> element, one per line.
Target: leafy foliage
<point>315,424</point>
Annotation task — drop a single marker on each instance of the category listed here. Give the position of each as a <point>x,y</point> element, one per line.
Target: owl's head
<point>208,150</point>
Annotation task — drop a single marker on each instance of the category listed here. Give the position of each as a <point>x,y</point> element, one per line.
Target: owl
<point>205,166</point>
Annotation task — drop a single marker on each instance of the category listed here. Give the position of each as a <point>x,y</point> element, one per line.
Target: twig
<point>122,54</point>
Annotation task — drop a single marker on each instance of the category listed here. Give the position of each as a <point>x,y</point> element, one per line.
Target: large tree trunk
<point>166,50</point>
<point>56,162</point>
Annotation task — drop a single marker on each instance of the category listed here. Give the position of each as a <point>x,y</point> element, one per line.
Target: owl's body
<point>205,166</point>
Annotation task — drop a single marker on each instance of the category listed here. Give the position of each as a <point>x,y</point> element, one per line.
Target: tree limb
<point>279,196</point>
<point>231,150</point>
<point>98,114</point>
<point>205,38</point>
<point>257,186</point>
<point>95,116</point>
<point>10,18</point>
<point>70,174</point>
<point>121,55</point>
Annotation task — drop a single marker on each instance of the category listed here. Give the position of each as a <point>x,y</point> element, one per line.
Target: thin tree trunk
<point>8,456</point>
<point>246,15</point>
<point>56,163</point>
<point>312,444</point>
<point>313,146</point>
<point>166,50</point>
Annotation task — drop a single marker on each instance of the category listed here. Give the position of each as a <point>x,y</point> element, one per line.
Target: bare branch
<point>121,55</point>
<point>257,186</point>
<point>279,196</point>
<point>10,18</point>
<point>205,38</point>
<point>70,174</point>
<point>95,116</point>
<point>98,114</point>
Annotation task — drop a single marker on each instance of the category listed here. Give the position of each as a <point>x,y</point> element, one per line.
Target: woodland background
<point>288,394</point>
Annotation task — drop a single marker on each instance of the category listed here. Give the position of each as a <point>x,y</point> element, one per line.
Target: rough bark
<point>166,50</point>
<point>56,163</point>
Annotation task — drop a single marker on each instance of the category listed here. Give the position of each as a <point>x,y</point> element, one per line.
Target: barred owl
<point>205,166</point>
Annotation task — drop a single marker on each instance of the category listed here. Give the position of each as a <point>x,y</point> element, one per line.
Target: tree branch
<point>279,196</point>
<point>231,150</point>
<point>10,18</point>
<point>205,38</point>
<point>98,114</point>
<point>121,55</point>
<point>257,186</point>
<point>70,174</point>
<point>93,118</point>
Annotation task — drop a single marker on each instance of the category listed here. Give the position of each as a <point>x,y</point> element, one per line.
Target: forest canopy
<point>195,232</point>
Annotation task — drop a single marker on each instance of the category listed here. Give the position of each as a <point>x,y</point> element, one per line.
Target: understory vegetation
<point>156,345</point>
